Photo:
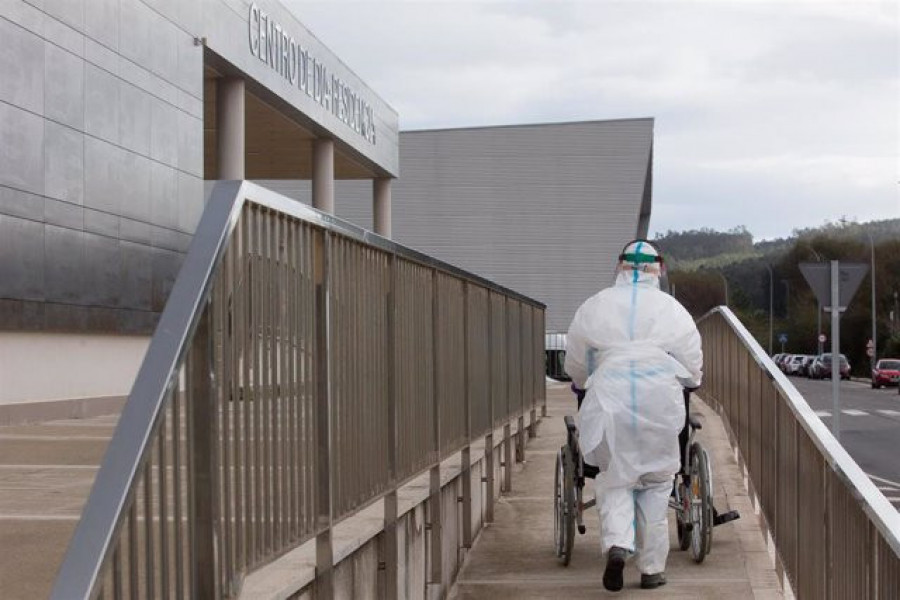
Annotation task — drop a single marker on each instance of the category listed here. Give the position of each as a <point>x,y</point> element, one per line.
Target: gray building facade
<point>113,115</point>
<point>110,122</point>
<point>542,209</point>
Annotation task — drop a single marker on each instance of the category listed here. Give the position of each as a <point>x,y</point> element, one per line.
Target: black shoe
<point>651,582</point>
<point>615,564</point>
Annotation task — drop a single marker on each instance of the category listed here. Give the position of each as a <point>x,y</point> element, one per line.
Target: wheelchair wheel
<point>700,495</point>
<point>683,516</point>
<point>564,505</point>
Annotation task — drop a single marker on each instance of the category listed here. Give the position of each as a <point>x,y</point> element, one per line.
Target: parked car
<point>821,367</point>
<point>807,363</point>
<point>886,372</point>
<point>778,359</point>
<point>793,364</point>
<point>783,363</point>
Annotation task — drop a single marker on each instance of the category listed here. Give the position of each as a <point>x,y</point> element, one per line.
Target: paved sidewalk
<point>514,558</point>
<point>46,472</point>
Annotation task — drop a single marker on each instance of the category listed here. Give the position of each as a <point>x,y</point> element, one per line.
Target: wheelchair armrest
<point>695,422</point>
<point>570,423</point>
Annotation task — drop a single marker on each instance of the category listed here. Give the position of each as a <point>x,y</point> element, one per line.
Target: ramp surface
<point>514,557</point>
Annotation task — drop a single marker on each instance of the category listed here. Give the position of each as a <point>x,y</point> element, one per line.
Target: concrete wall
<point>61,366</point>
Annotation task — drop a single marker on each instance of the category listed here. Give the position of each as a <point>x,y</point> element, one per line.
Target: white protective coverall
<point>633,347</point>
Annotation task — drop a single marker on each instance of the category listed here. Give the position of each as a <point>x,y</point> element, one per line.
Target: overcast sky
<point>774,115</point>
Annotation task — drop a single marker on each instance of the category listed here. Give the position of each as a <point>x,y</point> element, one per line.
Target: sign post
<point>783,338</point>
<point>834,286</point>
<point>835,351</point>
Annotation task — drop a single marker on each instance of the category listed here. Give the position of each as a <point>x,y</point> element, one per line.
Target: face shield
<point>640,260</point>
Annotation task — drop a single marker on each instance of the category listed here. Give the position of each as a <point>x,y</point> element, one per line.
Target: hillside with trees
<point>734,260</point>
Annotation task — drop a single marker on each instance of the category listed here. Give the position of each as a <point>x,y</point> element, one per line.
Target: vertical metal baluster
<point>239,389</point>
<point>265,376</point>
<point>258,382</point>
<point>284,526</point>
<point>324,550</point>
<point>148,528</point>
<point>133,577</point>
<point>271,392</point>
<point>177,406</point>
<point>117,570</point>
<point>189,463</point>
<point>203,434</point>
<point>228,400</point>
<point>275,404</point>
<point>163,508</point>
<point>248,322</point>
<point>295,309</point>
<point>312,361</point>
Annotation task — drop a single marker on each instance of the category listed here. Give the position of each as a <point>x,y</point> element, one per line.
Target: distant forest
<point>703,262</point>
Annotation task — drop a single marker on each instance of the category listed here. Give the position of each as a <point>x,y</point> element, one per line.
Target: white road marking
<point>854,413</point>
<point>53,438</point>
<point>14,517</point>
<point>45,467</point>
<point>889,413</point>
<point>883,480</point>
<point>823,413</point>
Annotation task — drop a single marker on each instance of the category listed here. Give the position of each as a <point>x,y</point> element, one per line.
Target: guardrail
<point>835,533</point>
<point>302,369</point>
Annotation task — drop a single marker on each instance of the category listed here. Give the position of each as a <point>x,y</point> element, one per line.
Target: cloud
<point>779,105</point>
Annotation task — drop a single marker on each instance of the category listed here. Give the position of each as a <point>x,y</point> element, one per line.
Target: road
<point>870,427</point>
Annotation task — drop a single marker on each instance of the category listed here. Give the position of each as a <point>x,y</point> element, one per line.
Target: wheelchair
<point>692,496</point>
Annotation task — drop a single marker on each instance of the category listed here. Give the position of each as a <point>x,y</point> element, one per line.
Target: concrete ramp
<point>514,559</point>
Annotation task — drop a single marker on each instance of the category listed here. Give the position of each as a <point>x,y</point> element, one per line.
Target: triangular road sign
<point>818,276</point>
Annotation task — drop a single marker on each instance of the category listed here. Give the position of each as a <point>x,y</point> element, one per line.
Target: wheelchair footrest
<point>721,519</point>
<point>590,471</point>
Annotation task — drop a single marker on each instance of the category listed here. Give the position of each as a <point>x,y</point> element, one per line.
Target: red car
<point>886,372</point>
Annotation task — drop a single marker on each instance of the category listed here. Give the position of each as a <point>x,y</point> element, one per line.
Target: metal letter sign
<point>834,284</point>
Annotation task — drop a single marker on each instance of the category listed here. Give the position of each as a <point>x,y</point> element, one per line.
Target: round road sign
<point>822,337</point>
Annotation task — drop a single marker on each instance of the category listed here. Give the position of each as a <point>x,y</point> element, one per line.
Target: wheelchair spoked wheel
<point>701,507</point>
<point>564,505</point>
<point>683,516</point>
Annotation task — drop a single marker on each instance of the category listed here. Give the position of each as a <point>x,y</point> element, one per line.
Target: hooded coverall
<point>633,347</point>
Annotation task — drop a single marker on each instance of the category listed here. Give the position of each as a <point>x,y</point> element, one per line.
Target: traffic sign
<point>818,276</point>
<point>782,338</point>
<point>834,283</point>
<point>870,352</point>
<point>822,338</point>
<point>869,345</point>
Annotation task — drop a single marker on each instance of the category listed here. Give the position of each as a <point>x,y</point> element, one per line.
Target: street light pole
<point>771,302</point>
<point>819,345</point>
<point>724,281</point>
<point>874,356</point>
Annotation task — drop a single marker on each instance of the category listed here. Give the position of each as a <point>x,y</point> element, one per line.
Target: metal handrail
<point>112,505</point>
<point>738,392</point>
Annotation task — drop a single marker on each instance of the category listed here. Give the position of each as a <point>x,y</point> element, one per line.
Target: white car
<point>794,364</point>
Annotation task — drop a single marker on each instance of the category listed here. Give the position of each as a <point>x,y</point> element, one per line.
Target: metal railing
<point>835,533</point>
<point>302,369</point>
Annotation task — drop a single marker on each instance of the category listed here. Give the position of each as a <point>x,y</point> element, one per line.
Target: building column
<point>381,205</point>
<point>230,126</point>
<point>323,175</point>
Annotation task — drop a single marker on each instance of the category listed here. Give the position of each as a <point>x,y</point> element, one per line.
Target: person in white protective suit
<point>633,348</point>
